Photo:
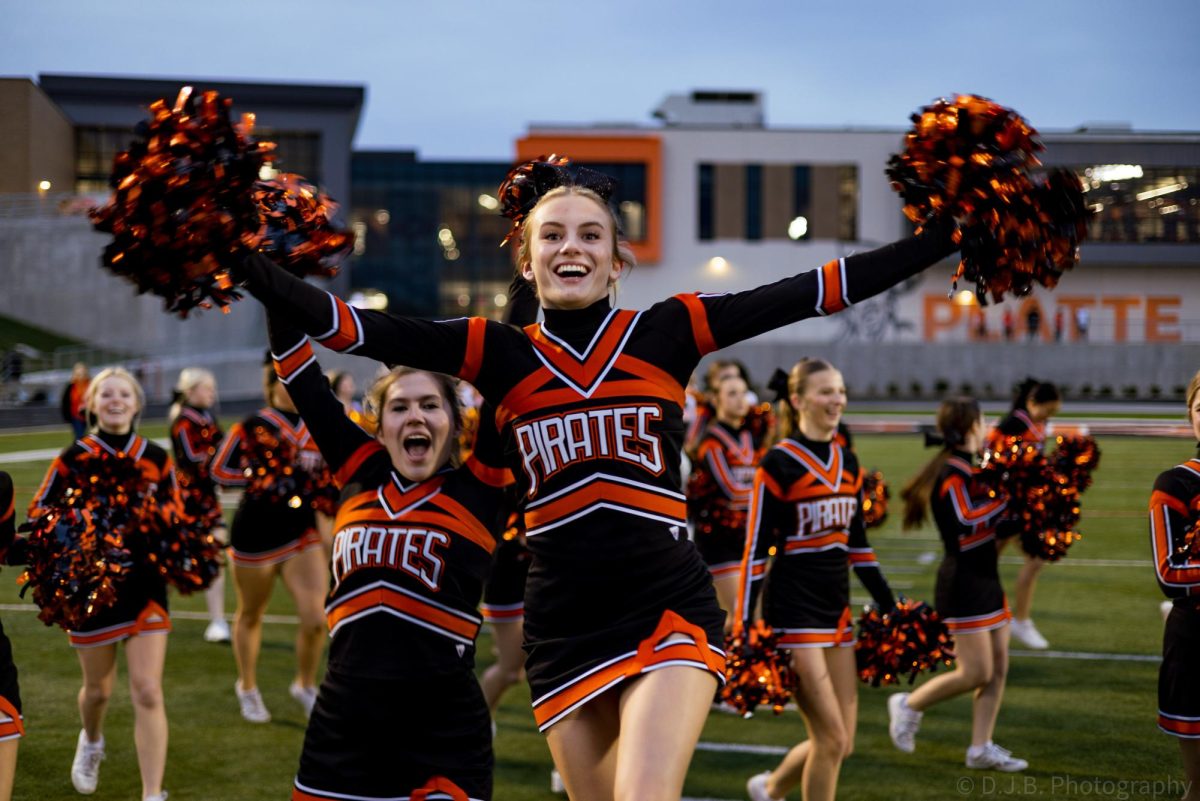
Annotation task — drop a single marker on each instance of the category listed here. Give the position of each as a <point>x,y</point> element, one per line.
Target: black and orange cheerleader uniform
<point>807,504</point>
<point>12,723</point>
<point>1174,505</point>
<point>269,528</point>
<point>592,401</point>
<point>1019,424</point>
<point>399,711</point>
<point>141,605</point>
<point>718,493</point>
<point>195,437</point>
<point>504,592</point>
<point>968,594</point>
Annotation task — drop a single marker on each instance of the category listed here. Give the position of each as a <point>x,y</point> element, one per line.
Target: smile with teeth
<point>417,445</point>
<point>570,270</point>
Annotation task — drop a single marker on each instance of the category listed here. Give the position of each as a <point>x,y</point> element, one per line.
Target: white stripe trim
<point>599,380</point>
<point>378,584</point>
<point>605,477</point>
<point>331,794</point>
<point>597,506</point>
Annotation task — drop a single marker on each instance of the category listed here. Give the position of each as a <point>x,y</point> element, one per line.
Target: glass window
<point>705,194</point>
<point>848,203</point>
<point>1131,203</point>
<point>754,201</point>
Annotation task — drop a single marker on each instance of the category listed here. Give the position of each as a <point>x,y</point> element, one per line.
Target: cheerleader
<point>12,723</point>
<point>968,594</point>
<point>344,389</point>
<point>807,507</point>
<point>1174,508</point>
<point>622,628</point>
<point>195,436</point>
<point>701,404</point>
<point>1034,403</point>
<point>114,402</point>
<point>274,534</point>
<point>718,488</point>
<point>399,710</point>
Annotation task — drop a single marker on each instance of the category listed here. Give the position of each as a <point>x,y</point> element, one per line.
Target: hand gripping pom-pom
<point>757,671</point>
<point>85,544</point>
<point>875,499</point>
<point>970,158</point>
<point>906,641</point>
<point>188,206</point>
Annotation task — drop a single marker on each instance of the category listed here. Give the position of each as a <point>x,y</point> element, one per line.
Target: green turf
<point>1075,721</point>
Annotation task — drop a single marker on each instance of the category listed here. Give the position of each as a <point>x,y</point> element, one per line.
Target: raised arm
<point>718,321</point>
<point>453,346</point>
<point>339,439</point>
<point>766,507</point>
<point>1178,576</point>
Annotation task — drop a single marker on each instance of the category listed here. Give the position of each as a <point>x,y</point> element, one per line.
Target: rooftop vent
<point>711,107</point>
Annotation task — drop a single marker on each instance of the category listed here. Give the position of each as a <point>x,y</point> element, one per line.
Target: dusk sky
<point>457,79</point>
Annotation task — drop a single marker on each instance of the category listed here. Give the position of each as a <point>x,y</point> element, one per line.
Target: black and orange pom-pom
<point>875,499</point>
<point>188,556</point>
<point>188,206</point>
<point>906,641</point>
<point>969,158</point>
<point>757,671</point>
<point>275,475</point>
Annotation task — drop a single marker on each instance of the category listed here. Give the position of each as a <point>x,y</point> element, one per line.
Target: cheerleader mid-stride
<point>622,628</point>
<point>274,533</point>
<point>1174,510</point>
<point>968,594</point>
<point>195,436</point>
<point>807,505</point>
<point>114,401</point>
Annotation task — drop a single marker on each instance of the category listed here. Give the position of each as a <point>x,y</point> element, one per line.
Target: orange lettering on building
<point>1158,316</point>
<point>941,314</point>
<point>1120,305</point>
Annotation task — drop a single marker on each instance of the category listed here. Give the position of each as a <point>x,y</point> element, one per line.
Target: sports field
<point>1082,714</point>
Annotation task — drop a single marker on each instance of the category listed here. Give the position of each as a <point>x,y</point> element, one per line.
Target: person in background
<point>72,400</point>
<point>344,389</point>
<point>1178,572</point>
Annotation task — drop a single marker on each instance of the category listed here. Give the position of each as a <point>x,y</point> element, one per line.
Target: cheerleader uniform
<point>807,505</point>
<point>1172,510</point>
<point>1019,424</point>
<point>195,437</point>
<point>968,594</point>
<point>141,605</point>
<point>12,723</point>
<point>504,592</point>
<point>592,402</point>
<point>399,713</point>
<point>269,529</point>
<point>718,494</point>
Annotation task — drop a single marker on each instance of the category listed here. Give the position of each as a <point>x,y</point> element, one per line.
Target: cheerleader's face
<point>416,426</point>
<point>572,259</point>
<point>115,405</point>
<point>203,395</point>
<point>732,403</point>
<point>823,401</point>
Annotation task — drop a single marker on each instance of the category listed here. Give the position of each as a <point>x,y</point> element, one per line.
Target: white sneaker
<point>756,787</point>
<point>306,696</point>
<point>903,723</point>
<point>993,757</point>
<point>725,708</point>
<point>156,797</point>
<point>556,783</point>
<point>1027,633</point>
<point>251,702</point>
<point>1165,607</point>
<point>85,770</point>
<point>217,631</point>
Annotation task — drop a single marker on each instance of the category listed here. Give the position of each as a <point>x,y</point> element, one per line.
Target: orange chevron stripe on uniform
<point>153,618</point>
<point>821,542</point>
<point>1179,725</point>
<point>445,622</point>
<point>987,622</point>
<point>584,373</point>
<point>14,726</point>
<point>601,492</point>
<point>701,333</point>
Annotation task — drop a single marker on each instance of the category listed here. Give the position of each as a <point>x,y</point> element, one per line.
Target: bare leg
<point>8,767</point>
<point>325,530</point>
<point>253,591</point>
<point>214,596</point>
<point>989,696</point>
<point>974,670</point>
<point>1190,751</point>
<point>306,577</point>
<point>145,656</point>
<point>584,748</point>
<point>816,767</point>
<point>1026,583</point>
<point>99,672</point>
<point>661,716</point>
<point>844,674</point>
<point>509,667</point>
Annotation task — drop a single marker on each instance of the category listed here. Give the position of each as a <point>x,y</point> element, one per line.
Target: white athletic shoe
<point>1027,633</point>
<point>556,783</point>
<point>251,702</point>
<point>156,797</point>
<point>217,631</point>
<point>756,787</point>
<point>725,708</point>
<point>903,723</point>
<point>1165,607</point>
<point>306,696</point>
<point>85,770</point>
<point>993,757</point>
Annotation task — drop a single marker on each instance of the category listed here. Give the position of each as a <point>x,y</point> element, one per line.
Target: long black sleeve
<point>337,436</point>
<point>522,307</point>
<point>866,563</point>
